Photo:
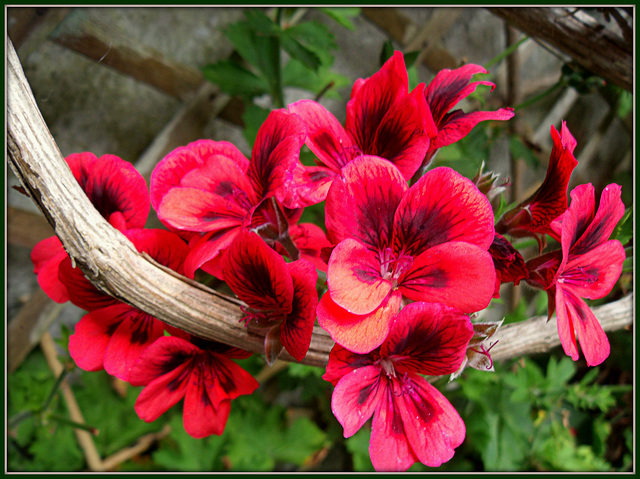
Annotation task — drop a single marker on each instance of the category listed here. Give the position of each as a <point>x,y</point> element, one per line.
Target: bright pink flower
<point>509,264</point>
<point>426,243</point>
<point>383,119</point>
<point>120,195</point>
<point>533,216</point>
<point>281,297</point>
<point>113,334</point>
<point>588,266</point>
<point>208,190</point>
<point>446,90</point>
<point>412,420</point>
<point>202,372</point>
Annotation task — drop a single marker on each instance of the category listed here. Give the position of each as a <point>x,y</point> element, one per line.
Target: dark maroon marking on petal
<point>365,392</point>
<point>178,382</point>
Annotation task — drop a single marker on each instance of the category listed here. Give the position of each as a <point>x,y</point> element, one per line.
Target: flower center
<point>393,266</point>
<point>348,153</point>
<point>578,275</point>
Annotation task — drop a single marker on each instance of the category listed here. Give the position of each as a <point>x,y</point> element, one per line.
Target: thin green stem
<point>539,97</point>
<point>68,422</point>
<point>506,53</point>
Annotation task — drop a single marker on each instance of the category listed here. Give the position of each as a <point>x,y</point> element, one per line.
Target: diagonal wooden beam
<point>578,35</point>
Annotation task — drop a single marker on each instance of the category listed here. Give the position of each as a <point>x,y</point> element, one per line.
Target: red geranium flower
<point>113,334</point>
<point>412,420</point>
<point>383,119</point>
<point>426,243</point>
<point>202,372</point>
<point>281,297</point>
<point>446,90</point>
<point>533,216</point>
<point>120,195</point>
<point>208,190</point>
<point>588,266</point>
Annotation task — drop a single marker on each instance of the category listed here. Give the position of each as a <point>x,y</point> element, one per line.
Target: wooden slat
<point>109,46</point>
<point>578,35</point>
<point>29,27</point>
<point>25,228</point>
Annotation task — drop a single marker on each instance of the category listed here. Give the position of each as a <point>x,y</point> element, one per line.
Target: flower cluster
<point>410,253</point>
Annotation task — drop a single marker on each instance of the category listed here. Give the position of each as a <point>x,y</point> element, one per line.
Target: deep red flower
<point>201,372</point>
<point>412,420</point>
<point>446,90</point>
<point>120,195</point>
<point>281,297</point>
<point>383,119</point>
<point>587,266</point>
<point>534,215</point>
<point>113,334</point>
<point>509,264</point>
<point>426,243</point>
<point>208,190</point>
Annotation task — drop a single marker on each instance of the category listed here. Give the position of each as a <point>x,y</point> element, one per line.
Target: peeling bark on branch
<point>577,34</point>
<point>111,262</point>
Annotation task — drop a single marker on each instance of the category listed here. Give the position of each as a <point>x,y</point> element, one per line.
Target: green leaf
<point>386,52</point>
<point>358,446</point>
<point>316,39</point>
<point>521,152</point>
<point>234,79</point>
<point>253,117</point>
<point>258,437</point>
<point>298,51</point>
<point>181,452</point>
<point>115,417</point>
<point>623,231</point>
<point>342,15</point>
<point>295,74</point>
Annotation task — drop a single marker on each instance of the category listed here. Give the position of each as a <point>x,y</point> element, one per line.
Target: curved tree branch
<point>111,262</point>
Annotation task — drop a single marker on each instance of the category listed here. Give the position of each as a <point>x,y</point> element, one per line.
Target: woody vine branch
<point>112,264</point>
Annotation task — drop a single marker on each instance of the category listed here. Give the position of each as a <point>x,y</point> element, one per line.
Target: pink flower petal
<point>46,257</point>
<point>275,151</point>
<point>431,424</point>
<point>361,203</point>
<point>354,279</point>
<point>401,135</point>
<point>388,447</point>
<point>297,328</point>
<point>592,275</point>
<point>359,333</point>
<point>192,209</point>
<point>257,274</point>
<point>356,396</point>
<point>458,124</point>
<point>173,167</point>
<point>326,136</point>
<point>205,252</point>
<point>199,417</point>
<point>443,206</point>
<point>577,322</point>
<point>162,357</point>
<point>163,392</point>
<point>458,274</point>
<point>91,337</point>
<point>343,361</point>
<point>428,338</point>
<point>136,331</point>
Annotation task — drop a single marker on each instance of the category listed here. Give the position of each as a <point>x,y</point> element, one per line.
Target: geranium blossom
<point>113,334</point>
<point>202,372</point>
<point>281,297</point>
<point>208,190</point>
<point>412,420</point>
<point>426,243</point>
<point>383,119</point>
<point>446,90</point>
<point>587,266</point>
<point>534,215</point>
<point>120,195</point>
